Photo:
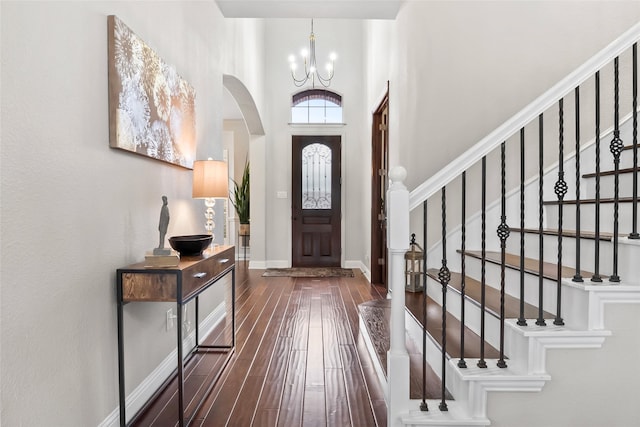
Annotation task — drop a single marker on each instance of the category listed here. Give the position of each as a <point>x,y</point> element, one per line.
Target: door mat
<point>309,272</point>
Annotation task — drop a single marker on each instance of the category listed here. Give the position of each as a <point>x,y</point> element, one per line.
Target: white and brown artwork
<point>151,108</point>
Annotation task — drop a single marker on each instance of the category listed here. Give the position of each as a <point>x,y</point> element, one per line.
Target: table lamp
<point>210,181</point>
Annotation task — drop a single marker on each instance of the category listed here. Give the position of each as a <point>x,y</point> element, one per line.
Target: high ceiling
<point>353,9</point>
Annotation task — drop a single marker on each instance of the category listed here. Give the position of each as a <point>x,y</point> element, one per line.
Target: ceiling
<point>353,9</point>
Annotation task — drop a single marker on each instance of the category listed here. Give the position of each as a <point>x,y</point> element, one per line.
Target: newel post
<point>398,242</point>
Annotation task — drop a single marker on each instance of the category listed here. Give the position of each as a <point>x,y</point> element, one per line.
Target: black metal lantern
<point>413,260</point>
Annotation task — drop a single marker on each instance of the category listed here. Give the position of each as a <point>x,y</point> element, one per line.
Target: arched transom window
<point>316,106</point>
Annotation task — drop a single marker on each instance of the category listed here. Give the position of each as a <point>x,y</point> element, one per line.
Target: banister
<point>522,118</point>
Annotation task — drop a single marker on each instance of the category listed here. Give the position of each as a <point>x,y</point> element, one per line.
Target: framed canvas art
<point>151,108</point>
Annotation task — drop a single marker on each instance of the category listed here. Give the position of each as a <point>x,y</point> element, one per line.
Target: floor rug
<point>308,272</point>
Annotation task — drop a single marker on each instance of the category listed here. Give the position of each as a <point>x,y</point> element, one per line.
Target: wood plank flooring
<point>299,359</point>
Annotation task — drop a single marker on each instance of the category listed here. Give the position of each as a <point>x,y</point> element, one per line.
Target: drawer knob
<point>224,260</point>
<point>199,275</point>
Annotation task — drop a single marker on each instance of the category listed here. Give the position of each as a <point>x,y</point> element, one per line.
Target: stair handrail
<point>490,142</point>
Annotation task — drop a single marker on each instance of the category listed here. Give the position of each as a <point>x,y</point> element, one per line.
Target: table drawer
<point>200,274</point>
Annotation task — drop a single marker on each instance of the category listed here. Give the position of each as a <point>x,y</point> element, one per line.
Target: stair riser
<point>587,217</point>
<point>607,186</point>
<point>588,155</point>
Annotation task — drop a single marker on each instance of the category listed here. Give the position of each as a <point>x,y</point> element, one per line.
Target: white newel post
<point>398,241</point>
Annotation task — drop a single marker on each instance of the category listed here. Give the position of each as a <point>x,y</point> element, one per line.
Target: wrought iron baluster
<point>540,321</point>
<point>423,404</point>
<point>634,230</point>
<point>577,277</point>
<point>616,146</point>
<point>596,269</point>
<point>521,319</point>
<point>503,234</point>
<point>561,190</point>
<point>483,279</point>
<point>444,275</point>
<point>462,363</point>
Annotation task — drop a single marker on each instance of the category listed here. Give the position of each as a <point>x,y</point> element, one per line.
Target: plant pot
<point>244,230</point>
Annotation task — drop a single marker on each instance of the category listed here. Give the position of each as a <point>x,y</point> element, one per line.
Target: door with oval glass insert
<point>316,207</point>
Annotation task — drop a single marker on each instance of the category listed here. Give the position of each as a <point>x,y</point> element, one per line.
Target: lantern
<point>413,260</point>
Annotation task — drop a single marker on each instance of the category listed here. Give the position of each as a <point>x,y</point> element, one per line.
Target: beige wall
<point>73,210</point>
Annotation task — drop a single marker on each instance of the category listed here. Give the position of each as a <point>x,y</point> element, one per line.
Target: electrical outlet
<point>170,317</point>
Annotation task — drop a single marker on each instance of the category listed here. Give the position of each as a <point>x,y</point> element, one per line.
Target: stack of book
<point>172,259</point>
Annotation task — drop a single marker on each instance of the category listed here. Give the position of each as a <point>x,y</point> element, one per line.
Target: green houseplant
<point>240,200</point>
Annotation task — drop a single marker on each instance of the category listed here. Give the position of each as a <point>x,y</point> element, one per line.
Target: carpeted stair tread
<point>376,315</point>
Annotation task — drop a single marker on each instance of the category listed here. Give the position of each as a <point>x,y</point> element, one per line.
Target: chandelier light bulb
<point>292,58</point>
<point>333,56</point>
<point>312,69</point>
<point>329,67</point>
<point>304,53</point>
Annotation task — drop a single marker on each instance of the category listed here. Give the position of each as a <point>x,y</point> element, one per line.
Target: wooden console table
<point>181,284</point>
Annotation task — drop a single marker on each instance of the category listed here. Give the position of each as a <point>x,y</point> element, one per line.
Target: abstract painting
<point>151,108</point>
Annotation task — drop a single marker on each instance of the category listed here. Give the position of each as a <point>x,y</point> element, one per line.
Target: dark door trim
<point>379,166</point>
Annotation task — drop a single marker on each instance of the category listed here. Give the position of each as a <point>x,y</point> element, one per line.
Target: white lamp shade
<point>210,179</point>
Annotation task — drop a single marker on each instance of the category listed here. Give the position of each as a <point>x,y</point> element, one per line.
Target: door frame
<point>326,130</point>
<point>377,238</point>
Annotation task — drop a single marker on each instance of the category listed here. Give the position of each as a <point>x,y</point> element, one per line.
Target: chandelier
<point>311,71</point>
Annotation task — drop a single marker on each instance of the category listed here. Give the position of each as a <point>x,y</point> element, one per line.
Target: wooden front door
<point>316,201</point>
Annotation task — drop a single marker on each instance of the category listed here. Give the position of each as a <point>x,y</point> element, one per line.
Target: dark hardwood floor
<point>299,359</point>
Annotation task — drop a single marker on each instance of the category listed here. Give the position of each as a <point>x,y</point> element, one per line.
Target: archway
<point>251,116</point>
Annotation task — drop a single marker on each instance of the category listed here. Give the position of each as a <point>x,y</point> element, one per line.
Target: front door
<point>316,201</point>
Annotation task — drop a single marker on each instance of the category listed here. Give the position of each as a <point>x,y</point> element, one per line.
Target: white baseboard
<point>257,265</point>
<point>359,265</point>
<point>143,392</point>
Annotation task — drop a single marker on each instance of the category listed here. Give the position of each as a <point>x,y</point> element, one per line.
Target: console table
<point>181,284</point>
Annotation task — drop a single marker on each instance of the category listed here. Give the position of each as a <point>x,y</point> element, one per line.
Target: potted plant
<point>240,200</point>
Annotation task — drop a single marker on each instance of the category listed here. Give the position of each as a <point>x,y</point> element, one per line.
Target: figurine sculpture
<point>162,227</point>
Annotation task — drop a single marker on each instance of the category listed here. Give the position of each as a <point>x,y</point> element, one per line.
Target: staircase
<point>528,253</point>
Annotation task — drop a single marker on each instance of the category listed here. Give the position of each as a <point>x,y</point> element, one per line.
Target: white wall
<point>74,210</point>
<point>458,69</point>
<point>289,36</point>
